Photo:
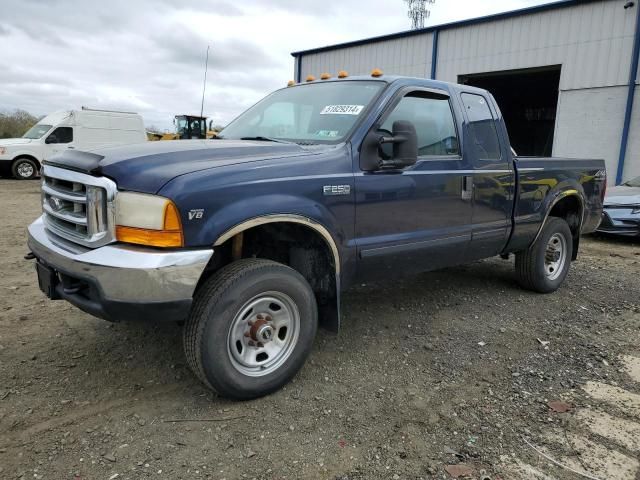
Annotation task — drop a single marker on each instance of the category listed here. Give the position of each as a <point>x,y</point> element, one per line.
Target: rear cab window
<point>482,126</point>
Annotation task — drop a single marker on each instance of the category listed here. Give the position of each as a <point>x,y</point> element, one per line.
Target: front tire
<point>544,266</point>
<point>251,328</point>
<point>24,169</point>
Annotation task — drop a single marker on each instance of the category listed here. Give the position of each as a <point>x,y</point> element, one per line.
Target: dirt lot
<point>447,368</point>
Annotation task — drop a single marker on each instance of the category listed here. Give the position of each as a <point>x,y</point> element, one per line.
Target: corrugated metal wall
<point>632,164</point>
<point>589,125</point>
<point>593,42</point>
<point>409,56</point>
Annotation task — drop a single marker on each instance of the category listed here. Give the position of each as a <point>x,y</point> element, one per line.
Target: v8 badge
<point>196,214</point>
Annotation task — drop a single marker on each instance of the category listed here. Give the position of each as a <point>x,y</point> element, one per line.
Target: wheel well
<point>296,245</point>
<point>570,209</point>
<point>19,157</point>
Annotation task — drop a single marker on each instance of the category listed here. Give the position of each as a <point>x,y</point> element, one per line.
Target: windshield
<point>37,131</point>
<point>312,113</point>
<point>633,183</point>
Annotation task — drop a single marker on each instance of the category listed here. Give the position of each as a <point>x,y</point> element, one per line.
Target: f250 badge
<point>331,190</point>
<point>196,214</point>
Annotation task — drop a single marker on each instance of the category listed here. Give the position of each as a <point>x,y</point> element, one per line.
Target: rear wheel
<point>24,169</point>
<point>544,266</point>
<point>251,328</point>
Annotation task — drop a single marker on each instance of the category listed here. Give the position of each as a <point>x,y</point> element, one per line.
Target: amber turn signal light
<point>170,235</point>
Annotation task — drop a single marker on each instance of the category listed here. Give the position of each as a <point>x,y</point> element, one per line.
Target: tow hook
<point>29,256</point>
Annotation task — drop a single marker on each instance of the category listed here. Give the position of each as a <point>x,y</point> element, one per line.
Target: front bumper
<point>120,282</point>
<point>620,221</point>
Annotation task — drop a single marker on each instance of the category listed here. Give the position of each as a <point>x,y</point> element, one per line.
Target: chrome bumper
<point>121,275</point>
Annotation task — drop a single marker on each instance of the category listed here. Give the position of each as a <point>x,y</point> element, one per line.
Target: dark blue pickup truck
<point>251,238</point>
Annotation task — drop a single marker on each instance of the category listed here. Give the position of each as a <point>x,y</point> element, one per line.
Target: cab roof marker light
<point>325,76</point>
<point>290,83</point>
<point>376,72</point>
<point>311,78</point>
<point>342,74</point>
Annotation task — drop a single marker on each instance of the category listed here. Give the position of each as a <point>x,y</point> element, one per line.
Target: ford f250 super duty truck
<point>251,238</point>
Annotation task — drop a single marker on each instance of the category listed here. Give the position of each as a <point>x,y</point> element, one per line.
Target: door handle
<point>71,147</point>
<point>467,187</point>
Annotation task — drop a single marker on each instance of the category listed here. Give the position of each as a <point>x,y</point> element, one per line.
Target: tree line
<point>16,123</point>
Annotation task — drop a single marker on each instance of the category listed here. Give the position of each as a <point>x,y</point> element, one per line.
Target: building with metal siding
<point>570,60</point>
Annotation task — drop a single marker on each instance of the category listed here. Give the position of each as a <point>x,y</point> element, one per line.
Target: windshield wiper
<point>265,139</point>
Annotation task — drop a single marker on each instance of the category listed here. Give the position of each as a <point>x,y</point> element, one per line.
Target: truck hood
<point>6,142</point>
<point>622,195</point>
<point>146,167</point>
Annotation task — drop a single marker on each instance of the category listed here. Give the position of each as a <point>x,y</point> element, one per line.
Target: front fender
<point>24,152</point>
<point>280,206</point>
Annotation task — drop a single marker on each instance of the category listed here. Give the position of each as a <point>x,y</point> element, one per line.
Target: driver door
<point>417,218</point>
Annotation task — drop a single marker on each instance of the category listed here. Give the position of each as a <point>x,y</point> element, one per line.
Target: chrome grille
<point>78,207</point>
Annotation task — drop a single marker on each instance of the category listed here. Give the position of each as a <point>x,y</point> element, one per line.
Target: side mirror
<point>405,148</point>
<point>51,139</point>
<point>405,145</point>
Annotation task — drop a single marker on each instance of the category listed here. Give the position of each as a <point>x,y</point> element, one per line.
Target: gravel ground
<point>441,374</point>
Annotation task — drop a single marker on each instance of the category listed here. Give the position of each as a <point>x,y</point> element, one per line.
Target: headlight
<point>636,209</point>
<point>148,220</point>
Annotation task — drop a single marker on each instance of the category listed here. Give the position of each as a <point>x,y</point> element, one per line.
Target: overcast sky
<point>148,56</point>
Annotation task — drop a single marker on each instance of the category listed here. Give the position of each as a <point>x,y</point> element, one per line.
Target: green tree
<point>16,123</point>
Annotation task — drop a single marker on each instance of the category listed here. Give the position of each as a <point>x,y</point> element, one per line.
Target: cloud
<point>186,47</point>
<point>148,56</point>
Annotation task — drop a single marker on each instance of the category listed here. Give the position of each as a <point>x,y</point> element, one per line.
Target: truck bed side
<point>541,183</point>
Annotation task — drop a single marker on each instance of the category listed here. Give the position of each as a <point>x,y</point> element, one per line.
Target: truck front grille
<point>78,207</point>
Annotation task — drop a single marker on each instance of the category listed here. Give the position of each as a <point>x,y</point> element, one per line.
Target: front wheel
<point>544,266</point>
<point>251,328</point>
<point>24,169</point>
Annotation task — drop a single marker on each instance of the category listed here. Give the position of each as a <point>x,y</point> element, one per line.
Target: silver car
<point>621,214</point>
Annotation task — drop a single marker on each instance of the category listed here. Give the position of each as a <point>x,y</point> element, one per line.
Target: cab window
<point>433,119</point>
<point>61,135</point>
<point>482,126</point>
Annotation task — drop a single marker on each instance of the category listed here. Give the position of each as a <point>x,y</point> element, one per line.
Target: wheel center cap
<point>554,256</point>
<point>261,330</point>
<point>265,333</point>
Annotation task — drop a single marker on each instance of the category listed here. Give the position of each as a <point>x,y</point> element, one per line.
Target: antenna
<point>418,12</point>
<point>204,86</point>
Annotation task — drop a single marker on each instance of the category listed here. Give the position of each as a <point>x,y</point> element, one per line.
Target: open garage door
<point>528,100</point>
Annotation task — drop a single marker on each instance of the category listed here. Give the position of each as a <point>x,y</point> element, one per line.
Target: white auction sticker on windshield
<point>342,110</point>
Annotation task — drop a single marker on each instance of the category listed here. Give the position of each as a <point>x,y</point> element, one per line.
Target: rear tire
<point>251,328</point>
<point>24,169</point>
<point>544,266</point>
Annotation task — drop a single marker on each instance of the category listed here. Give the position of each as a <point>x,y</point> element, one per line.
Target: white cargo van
<point>84,129</point>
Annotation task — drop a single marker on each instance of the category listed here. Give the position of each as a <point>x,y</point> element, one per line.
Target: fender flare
<point>285,218</point>
<point>572,192</point>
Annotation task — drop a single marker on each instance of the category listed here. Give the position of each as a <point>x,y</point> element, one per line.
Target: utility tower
<point>418,12</point>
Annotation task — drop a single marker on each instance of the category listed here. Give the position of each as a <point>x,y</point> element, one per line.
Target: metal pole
<point>204,86</point>
<point>633,74</point>
<point>434,54</point>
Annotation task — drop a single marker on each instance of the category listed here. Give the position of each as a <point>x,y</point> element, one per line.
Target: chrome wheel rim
<point>555,256</point>
<point>25,170</point>
<point>263,334</point>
